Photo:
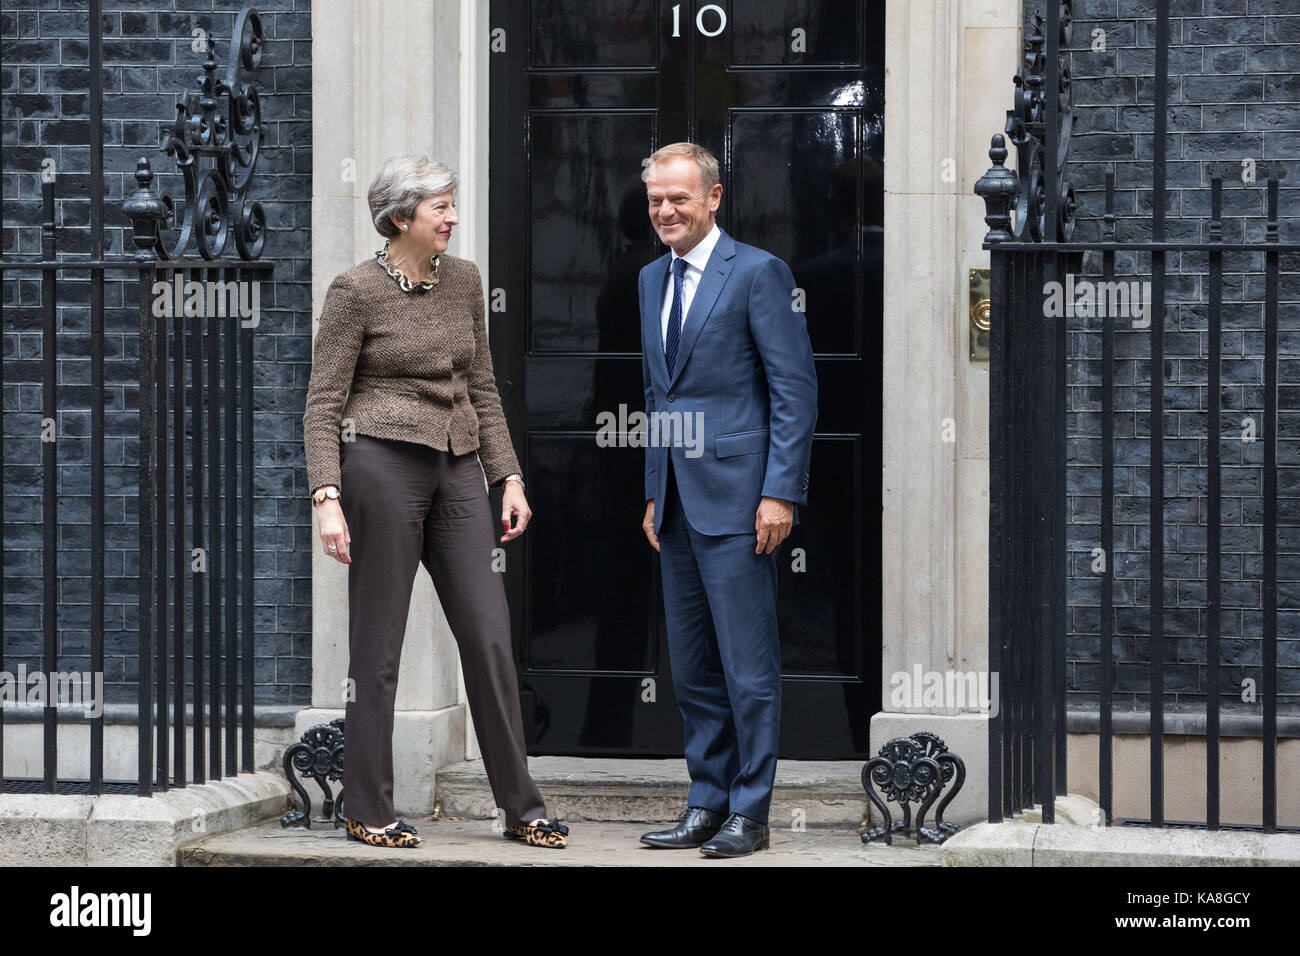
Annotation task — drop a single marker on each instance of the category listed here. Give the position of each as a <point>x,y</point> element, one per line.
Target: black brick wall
<point>148,65</point>
<point>1233,94</point>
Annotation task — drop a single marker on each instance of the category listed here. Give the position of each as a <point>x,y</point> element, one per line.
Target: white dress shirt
<point>696,260</point>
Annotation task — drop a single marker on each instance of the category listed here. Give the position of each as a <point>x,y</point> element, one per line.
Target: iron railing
<point>1030,240</point>
<point>212,554</point>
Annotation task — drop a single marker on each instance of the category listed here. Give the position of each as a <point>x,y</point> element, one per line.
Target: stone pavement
<point>452,842</point>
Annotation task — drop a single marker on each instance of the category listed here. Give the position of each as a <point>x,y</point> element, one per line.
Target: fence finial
<point>145,210</point>
<point>998,188</point>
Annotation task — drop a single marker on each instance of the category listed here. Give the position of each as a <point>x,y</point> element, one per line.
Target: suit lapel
<point>653,340</point>
<point>714,277</point>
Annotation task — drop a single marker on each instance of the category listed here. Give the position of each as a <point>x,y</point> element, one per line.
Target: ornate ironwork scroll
<point>1026,207</point>
<point>909,770</point>
<point>319,754</point>
<point>223,122</point>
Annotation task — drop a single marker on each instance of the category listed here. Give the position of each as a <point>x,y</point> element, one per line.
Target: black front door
<point>789,94</point>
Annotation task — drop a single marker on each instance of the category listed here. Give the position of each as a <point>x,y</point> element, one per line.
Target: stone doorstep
<point>818,792</point>
<point>1073,841</point>
<point>122,830</point>
<point>475,843</point>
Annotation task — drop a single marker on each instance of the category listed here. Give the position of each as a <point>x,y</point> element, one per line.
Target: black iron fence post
<point>146,212</point>
<point>998,188</point>
<point>97,396</point>
<point>50,481</point>
<point>1268,639</point>
<point>1156,644</point>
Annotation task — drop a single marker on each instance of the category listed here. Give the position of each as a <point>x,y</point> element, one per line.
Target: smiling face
<point>431,228</point>
<point>681,210</point>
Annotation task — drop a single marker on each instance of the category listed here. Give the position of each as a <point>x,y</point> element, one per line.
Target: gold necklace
<point>424,285</point>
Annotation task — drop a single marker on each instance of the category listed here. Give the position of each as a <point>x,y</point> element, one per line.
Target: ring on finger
<point>333,548</point>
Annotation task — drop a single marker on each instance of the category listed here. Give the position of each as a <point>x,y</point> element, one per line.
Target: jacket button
<point>672,397</point>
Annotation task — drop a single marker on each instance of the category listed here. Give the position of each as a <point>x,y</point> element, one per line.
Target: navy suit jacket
<point>744,372</point>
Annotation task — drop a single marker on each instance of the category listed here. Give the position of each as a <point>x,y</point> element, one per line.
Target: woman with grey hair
<point>401,367</point>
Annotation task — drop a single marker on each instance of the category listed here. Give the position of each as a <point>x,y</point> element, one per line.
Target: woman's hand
<point>333,530</point>
<point>514,503</point>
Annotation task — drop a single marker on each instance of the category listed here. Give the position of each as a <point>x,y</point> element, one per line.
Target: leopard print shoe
<point>549,833</point>
<point>400,834</point>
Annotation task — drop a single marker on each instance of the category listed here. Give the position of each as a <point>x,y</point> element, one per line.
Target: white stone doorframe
<point>948,68</point>
<point>393,76</point>
<point>412,75</point>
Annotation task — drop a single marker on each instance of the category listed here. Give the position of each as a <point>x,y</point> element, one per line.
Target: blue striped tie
<point>674,336</point>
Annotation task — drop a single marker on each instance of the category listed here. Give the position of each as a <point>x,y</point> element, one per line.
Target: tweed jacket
<point>405,365</point>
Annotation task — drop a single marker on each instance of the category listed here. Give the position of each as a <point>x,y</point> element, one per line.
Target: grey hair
<point>705,161</point>
<point>399,186</point>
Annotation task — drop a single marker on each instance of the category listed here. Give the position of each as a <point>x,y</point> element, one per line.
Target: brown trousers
<point>405,504</point>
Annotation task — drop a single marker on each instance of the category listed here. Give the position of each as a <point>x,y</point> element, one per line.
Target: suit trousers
<point>720,610</point>
<point>407,504</point>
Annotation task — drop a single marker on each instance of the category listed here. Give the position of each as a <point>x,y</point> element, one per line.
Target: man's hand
<point>648,524</point>
<point>514,503</point>
<point>772,523</point>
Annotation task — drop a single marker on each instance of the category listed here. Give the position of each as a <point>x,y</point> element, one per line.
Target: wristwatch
<point>326,491</point>
<point>518,478</point>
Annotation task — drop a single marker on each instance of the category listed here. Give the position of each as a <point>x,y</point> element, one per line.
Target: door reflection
<point>610,708</point>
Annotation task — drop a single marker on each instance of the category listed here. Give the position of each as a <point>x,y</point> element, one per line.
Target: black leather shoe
<point>696,826</point>
<point>739,836</point>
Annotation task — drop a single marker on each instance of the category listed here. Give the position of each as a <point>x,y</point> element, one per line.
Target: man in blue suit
<point>723,342</point>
